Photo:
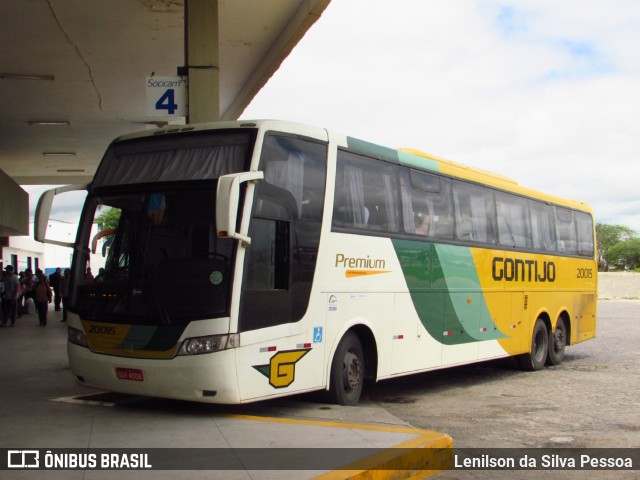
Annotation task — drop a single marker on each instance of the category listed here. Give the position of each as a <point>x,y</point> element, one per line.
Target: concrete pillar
<point>14,208</point>
<point>201,54</point>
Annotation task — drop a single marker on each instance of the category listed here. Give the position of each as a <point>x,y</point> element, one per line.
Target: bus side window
<point>475,213</point>
<point>542,226</point>
<point>298,167</point>
<point>513,220</point>
<point>365,194</point>
<point>426,204</point>
<point>584,224</point>
<point>566,231</point>
<point>380,199</point>
<point>349,209</point>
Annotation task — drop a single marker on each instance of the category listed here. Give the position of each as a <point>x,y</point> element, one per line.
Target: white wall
<point>49,256</point>
<point>56,256</point>
<point>622,285</point>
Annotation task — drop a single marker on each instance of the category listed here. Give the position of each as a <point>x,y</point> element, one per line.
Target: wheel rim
<point>352,371</point>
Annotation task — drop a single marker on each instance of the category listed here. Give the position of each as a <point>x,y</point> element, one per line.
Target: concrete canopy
<point>85,63</point>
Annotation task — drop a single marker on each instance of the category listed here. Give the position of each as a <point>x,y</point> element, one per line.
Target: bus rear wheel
<point>537,357</point>
<point>557,343</point>
<point>347,371</point>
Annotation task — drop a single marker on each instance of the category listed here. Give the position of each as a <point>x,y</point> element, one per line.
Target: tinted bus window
<point>543,230</point>
<point>584,226</point>
<point>566,231</point>
<point>365,196</point>
<point>513,220</point>
<point>426,204</point>
<point>475,213</point>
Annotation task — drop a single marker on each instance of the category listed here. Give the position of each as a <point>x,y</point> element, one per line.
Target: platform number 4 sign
<point>168,101</point>
<point>166,96</point>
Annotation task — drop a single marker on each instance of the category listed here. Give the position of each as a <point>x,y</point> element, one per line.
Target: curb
<point>429,453</point>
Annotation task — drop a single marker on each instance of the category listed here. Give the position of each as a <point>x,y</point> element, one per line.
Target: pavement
<point>44,413</point>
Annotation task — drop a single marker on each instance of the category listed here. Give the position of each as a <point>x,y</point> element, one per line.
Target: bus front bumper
<point>210,378</point>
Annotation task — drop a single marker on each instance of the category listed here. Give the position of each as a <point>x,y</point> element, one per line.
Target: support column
<point>201,55</point>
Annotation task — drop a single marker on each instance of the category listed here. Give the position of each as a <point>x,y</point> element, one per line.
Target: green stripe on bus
<point>456,266</point>
<point>390,154</point>
<point>441,280</point>
<point>373,150</point>
<point>420,162</point>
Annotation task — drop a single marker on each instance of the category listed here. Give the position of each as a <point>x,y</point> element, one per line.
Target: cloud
<point>542,91</point>
<point>66,206</point>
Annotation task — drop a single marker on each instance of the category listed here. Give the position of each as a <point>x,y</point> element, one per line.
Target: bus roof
<point>405,156</point>
<point>424,161</point>
<point>478,175</point>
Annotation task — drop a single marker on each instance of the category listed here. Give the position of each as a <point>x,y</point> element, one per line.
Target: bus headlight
<point>77,337</point>
<point>209,344</point>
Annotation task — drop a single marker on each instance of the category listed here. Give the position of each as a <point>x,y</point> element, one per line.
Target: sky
<point>546,92</point>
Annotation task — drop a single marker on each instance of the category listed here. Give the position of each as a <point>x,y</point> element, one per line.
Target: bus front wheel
<point>537,357</point>
<point>347,371</point>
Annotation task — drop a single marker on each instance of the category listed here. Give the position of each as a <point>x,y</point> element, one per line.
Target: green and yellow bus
<point>252,260</point>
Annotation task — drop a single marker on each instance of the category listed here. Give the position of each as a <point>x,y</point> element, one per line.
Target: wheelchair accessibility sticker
<point>317,335</point>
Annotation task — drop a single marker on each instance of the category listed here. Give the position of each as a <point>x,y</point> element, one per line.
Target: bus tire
<point>347,371</point>
<point>537,357</point>
<point>557,343</point>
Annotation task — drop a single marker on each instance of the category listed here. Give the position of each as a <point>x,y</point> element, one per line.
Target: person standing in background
<point>2,318</point>
<point>64,292</point>
<point>43,298</point>
<point>26,286</point>
<point>54,281</point>
<point>88,276</point>
<point>9,304</point>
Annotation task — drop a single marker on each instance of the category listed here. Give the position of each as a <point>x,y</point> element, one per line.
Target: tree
<point>108,219</point>
<point>625,255</point>
<point>608,236</point>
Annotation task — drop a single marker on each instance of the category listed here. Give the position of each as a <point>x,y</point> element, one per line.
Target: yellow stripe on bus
<point>362,273</point>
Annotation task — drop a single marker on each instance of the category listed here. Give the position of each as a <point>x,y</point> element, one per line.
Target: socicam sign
<point>167,96</point>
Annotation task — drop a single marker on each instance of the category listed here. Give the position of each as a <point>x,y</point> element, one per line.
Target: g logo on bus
<point>281,370</point>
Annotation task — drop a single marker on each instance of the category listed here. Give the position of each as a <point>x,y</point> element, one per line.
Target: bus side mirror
<point>43,211</point>
<point>228,202</point>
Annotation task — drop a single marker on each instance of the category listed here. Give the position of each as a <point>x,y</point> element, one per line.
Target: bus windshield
<point>149,253</point>
<point>163,262</point>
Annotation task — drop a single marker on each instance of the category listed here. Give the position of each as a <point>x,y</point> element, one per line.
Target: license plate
<point>133,374</point>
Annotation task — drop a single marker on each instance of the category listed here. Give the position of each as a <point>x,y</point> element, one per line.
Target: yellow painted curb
<point>427,454</point>
<point>420,457</point>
